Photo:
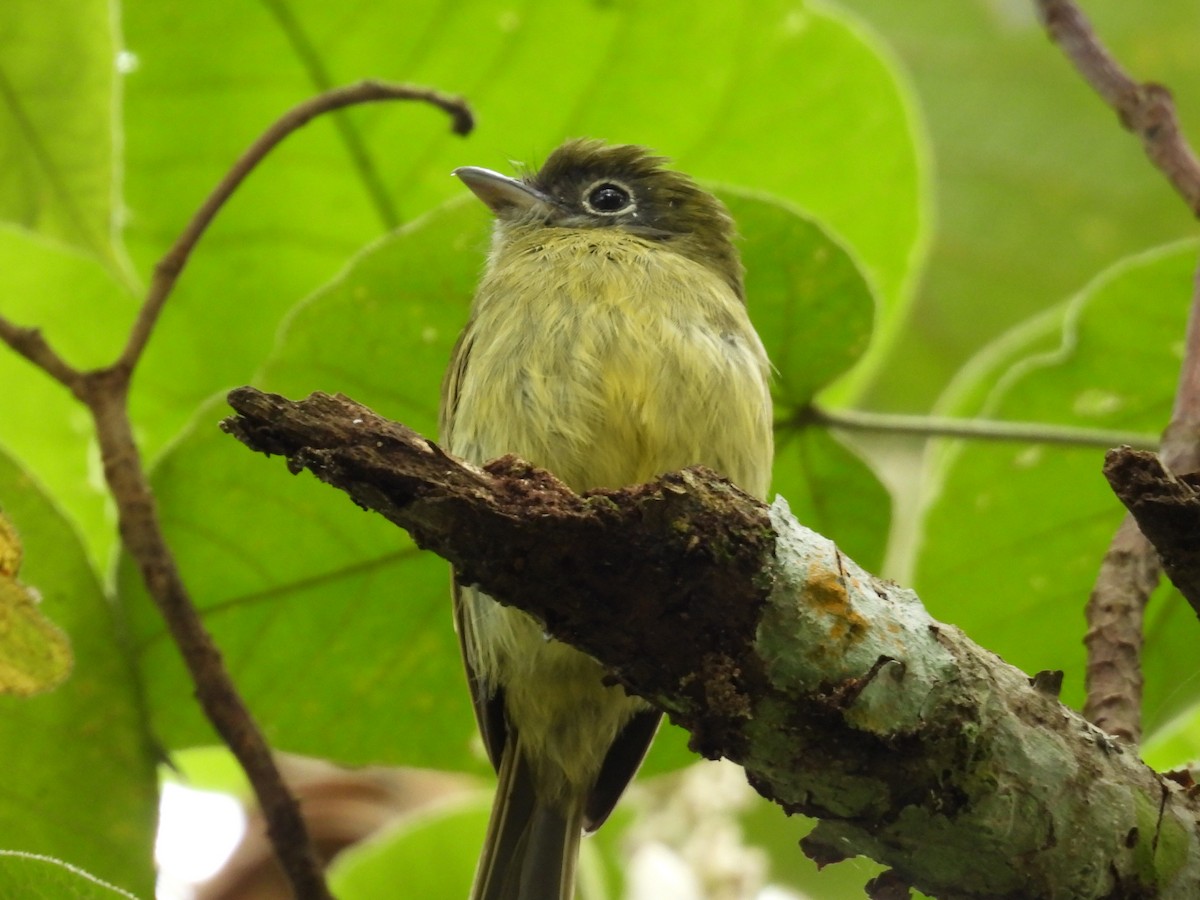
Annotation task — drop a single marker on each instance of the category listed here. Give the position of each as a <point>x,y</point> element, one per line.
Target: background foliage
<point>936,216</point>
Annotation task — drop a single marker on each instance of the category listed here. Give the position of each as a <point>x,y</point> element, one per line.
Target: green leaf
<point>430,854</point>
<point>814,308</point>
<point>84,314</point>
<point>336,629</point>
<point>837,142</point>
<point>1038,187</point>
<point>35,655</point>
<point>57,159</point>
<point>831,490</point>
<point>767,827</point>
<point>86,739</point>
<point>382,331</point>
<point>807,295</point>
<point>33,877</point>
<point>1176,744</point>
<point>213,768</point>
<point>1015,533</point>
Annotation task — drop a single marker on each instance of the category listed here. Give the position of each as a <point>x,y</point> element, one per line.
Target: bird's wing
<point>620,765</point>
<point>487,700</point>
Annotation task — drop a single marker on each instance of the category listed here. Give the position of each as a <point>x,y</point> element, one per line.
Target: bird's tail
<point>531,847</point>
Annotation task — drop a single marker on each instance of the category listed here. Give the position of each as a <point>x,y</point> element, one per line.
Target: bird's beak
<point>504,195</point>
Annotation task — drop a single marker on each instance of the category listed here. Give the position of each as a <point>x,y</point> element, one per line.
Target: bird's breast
<point>609,360</point>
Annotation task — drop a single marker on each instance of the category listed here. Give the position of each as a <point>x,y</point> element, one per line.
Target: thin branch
<point>835,690</point>
<point>1151,487</point>
<point>1181,440</point>
<point>1145,109</point>
<point>168,268</point>
<point>972,429</point>
<point>1113,679</point>
<point>52,170</point>
<point>1130,570</point>
<point>105,392</point>
<point>142,537</point>
<point>31,344</point>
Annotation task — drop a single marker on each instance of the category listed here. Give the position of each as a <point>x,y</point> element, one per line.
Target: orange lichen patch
<point>826,590</point>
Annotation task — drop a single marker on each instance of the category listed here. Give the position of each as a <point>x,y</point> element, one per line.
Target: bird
<point>609,342</point>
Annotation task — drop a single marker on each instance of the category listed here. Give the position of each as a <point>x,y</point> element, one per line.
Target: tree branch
<point>1115,611</point>
<point>105,393</point>
<point>834,689</point>
<point>1129,572</point>
<point>1145,109</point>
<point>1167,509</point>
<point>167,271</point>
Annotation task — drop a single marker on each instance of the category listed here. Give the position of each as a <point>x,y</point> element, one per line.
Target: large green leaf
<point>79,780</point>
<point>34,877</point>
<point>83,313</point>
<point>1038,186</point>
<point>826,120</point>
<point>1176,744</point>
<point>336,629</point>
<point>814,308</point>
<point>57,168</point>
<point>807,295</point>
<point>834,492</point>
<point>1015,533</point>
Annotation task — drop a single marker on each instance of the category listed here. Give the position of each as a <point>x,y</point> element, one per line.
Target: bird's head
<point>590,184</point>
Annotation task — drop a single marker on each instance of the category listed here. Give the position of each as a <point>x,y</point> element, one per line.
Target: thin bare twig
<point>1130,569</point>
<point>1145,109</point>
<point>1115,610</point>
<point>105,393</point>
<point>168,268</point>
<point>142,536</point>
<point>31,344</point>
<point>970,429</point>
<point>1181,440</point>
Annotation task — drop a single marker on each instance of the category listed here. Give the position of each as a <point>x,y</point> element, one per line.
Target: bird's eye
<point>607,198</point>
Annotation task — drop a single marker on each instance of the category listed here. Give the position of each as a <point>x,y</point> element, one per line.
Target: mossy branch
<point>835,690</point>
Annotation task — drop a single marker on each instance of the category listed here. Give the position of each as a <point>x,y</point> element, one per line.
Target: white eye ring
<point>608,197</point>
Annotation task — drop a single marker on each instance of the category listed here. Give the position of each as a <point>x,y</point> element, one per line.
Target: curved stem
<point>1146,109</point>
<point>973,429</point>
<point>167,271</point>
<point>105,393</point>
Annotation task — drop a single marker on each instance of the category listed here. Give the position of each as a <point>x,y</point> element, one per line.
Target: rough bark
<point>1167,509</point>
<point>835,690</point>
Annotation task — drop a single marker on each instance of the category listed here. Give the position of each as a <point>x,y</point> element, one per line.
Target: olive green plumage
<point>608,342</point>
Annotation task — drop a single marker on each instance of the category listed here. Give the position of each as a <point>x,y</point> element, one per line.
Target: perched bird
<point>609,343</point>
